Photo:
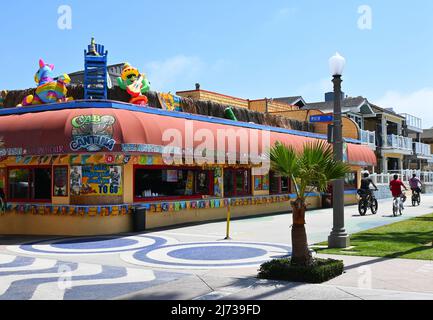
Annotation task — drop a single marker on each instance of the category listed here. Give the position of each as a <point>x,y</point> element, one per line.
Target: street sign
<point>322,118</point>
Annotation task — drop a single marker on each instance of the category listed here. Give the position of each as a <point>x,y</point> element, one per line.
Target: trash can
<point>139,217</point>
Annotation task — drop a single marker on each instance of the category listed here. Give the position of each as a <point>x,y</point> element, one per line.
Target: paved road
<point>195,263</point>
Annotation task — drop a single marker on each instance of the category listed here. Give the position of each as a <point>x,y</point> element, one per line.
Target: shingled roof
<point>348,104</point>
<point>295,100</point>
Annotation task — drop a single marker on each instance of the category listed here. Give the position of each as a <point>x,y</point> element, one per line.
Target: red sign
<point>109,158</point>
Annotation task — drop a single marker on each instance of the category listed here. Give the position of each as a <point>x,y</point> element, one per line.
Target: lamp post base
<point>339,241</point>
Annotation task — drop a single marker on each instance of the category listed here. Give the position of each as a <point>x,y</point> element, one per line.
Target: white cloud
<point>167,74</point>
<point>418,103</point>
<point>284,13</point>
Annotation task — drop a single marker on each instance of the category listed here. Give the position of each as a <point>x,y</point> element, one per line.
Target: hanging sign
<point>93,133</point>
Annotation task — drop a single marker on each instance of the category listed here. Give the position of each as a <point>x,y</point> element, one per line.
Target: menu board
<point>96,180</point>
<point>60,181</point>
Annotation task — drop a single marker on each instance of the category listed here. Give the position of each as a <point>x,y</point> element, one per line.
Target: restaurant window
<point>166,183</point>
<point>237,182</point>
<point>29,184</point>
<point>278,184</point>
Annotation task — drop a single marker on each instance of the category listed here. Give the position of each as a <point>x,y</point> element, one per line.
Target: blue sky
<point>251,49</point>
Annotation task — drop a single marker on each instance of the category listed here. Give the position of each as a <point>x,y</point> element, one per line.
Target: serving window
<point>168,183</point>
<point>29,184</point>
<point>237,182</point>
<point>279,185</point>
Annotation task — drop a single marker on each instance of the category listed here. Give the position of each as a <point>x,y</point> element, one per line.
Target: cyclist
<point>395,187</point>
<point>365,184</point>
<point>415,184</point>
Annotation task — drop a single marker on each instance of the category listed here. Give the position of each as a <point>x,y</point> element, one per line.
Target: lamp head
<point>337,64</point>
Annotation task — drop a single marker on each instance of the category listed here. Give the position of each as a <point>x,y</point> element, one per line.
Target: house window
<point>237,182</point>
<point>29,184</point>
<point>153,183</point>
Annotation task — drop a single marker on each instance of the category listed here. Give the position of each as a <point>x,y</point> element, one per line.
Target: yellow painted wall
<point>157,220</point>
<point>393,155</point>
<point>28,224</point>
<point>350,128</point>
<point>392,118</point>
<point>128,183</point>
<point>258,105</point>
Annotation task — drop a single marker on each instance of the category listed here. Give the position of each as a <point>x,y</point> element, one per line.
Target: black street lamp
<point>338,237</point>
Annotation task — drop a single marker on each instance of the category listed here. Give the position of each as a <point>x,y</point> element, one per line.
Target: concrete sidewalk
<point>209,287</point>
<point>364,278</point>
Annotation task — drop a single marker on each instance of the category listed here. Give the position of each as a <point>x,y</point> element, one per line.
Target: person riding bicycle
<point>395,187</point>
<point>365,184</point>
<point>415,184</point>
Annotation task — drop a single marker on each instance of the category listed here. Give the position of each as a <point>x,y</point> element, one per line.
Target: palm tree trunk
<point>300,253</point>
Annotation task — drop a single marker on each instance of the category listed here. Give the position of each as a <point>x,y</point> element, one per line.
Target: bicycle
<point>366,201</point>
<point>416,198</point>
<point>398,205</point>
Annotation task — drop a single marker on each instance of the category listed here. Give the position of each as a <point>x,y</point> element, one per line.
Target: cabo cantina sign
<point>93,133</point>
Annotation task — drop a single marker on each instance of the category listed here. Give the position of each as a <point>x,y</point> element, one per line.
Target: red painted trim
<point>161,199</point>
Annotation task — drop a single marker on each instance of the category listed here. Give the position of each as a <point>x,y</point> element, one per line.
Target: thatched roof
<point>188,105</point>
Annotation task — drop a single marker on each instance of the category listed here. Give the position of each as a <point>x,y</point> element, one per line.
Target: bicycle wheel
<point>362,207</point>
<point>418,199</point>
<point>374,206</point>
<point>395,208</point>
<point>414,201</point>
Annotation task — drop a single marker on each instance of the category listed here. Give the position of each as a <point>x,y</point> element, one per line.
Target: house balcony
<point>413,123</point>
<point>368,138</point>
<point>422,150</point>
<point>398,145</point>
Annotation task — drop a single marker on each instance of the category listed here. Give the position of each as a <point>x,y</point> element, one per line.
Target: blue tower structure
<point>95,72</point>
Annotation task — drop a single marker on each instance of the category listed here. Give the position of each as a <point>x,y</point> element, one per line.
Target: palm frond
<point>314,168</point>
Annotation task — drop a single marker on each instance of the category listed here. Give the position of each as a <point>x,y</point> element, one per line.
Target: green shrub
<point>320,271</point>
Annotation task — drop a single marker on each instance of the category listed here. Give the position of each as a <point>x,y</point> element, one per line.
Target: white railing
<point>400,142</point>
<point>368,137</point>
<point>413,121</point>
<point>404,175</point>
<point>422,149</point>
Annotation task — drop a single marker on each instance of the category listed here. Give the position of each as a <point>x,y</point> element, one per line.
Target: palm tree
<point>310,171</point>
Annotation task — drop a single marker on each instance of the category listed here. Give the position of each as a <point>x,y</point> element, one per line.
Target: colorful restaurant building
<point>80,168</point>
